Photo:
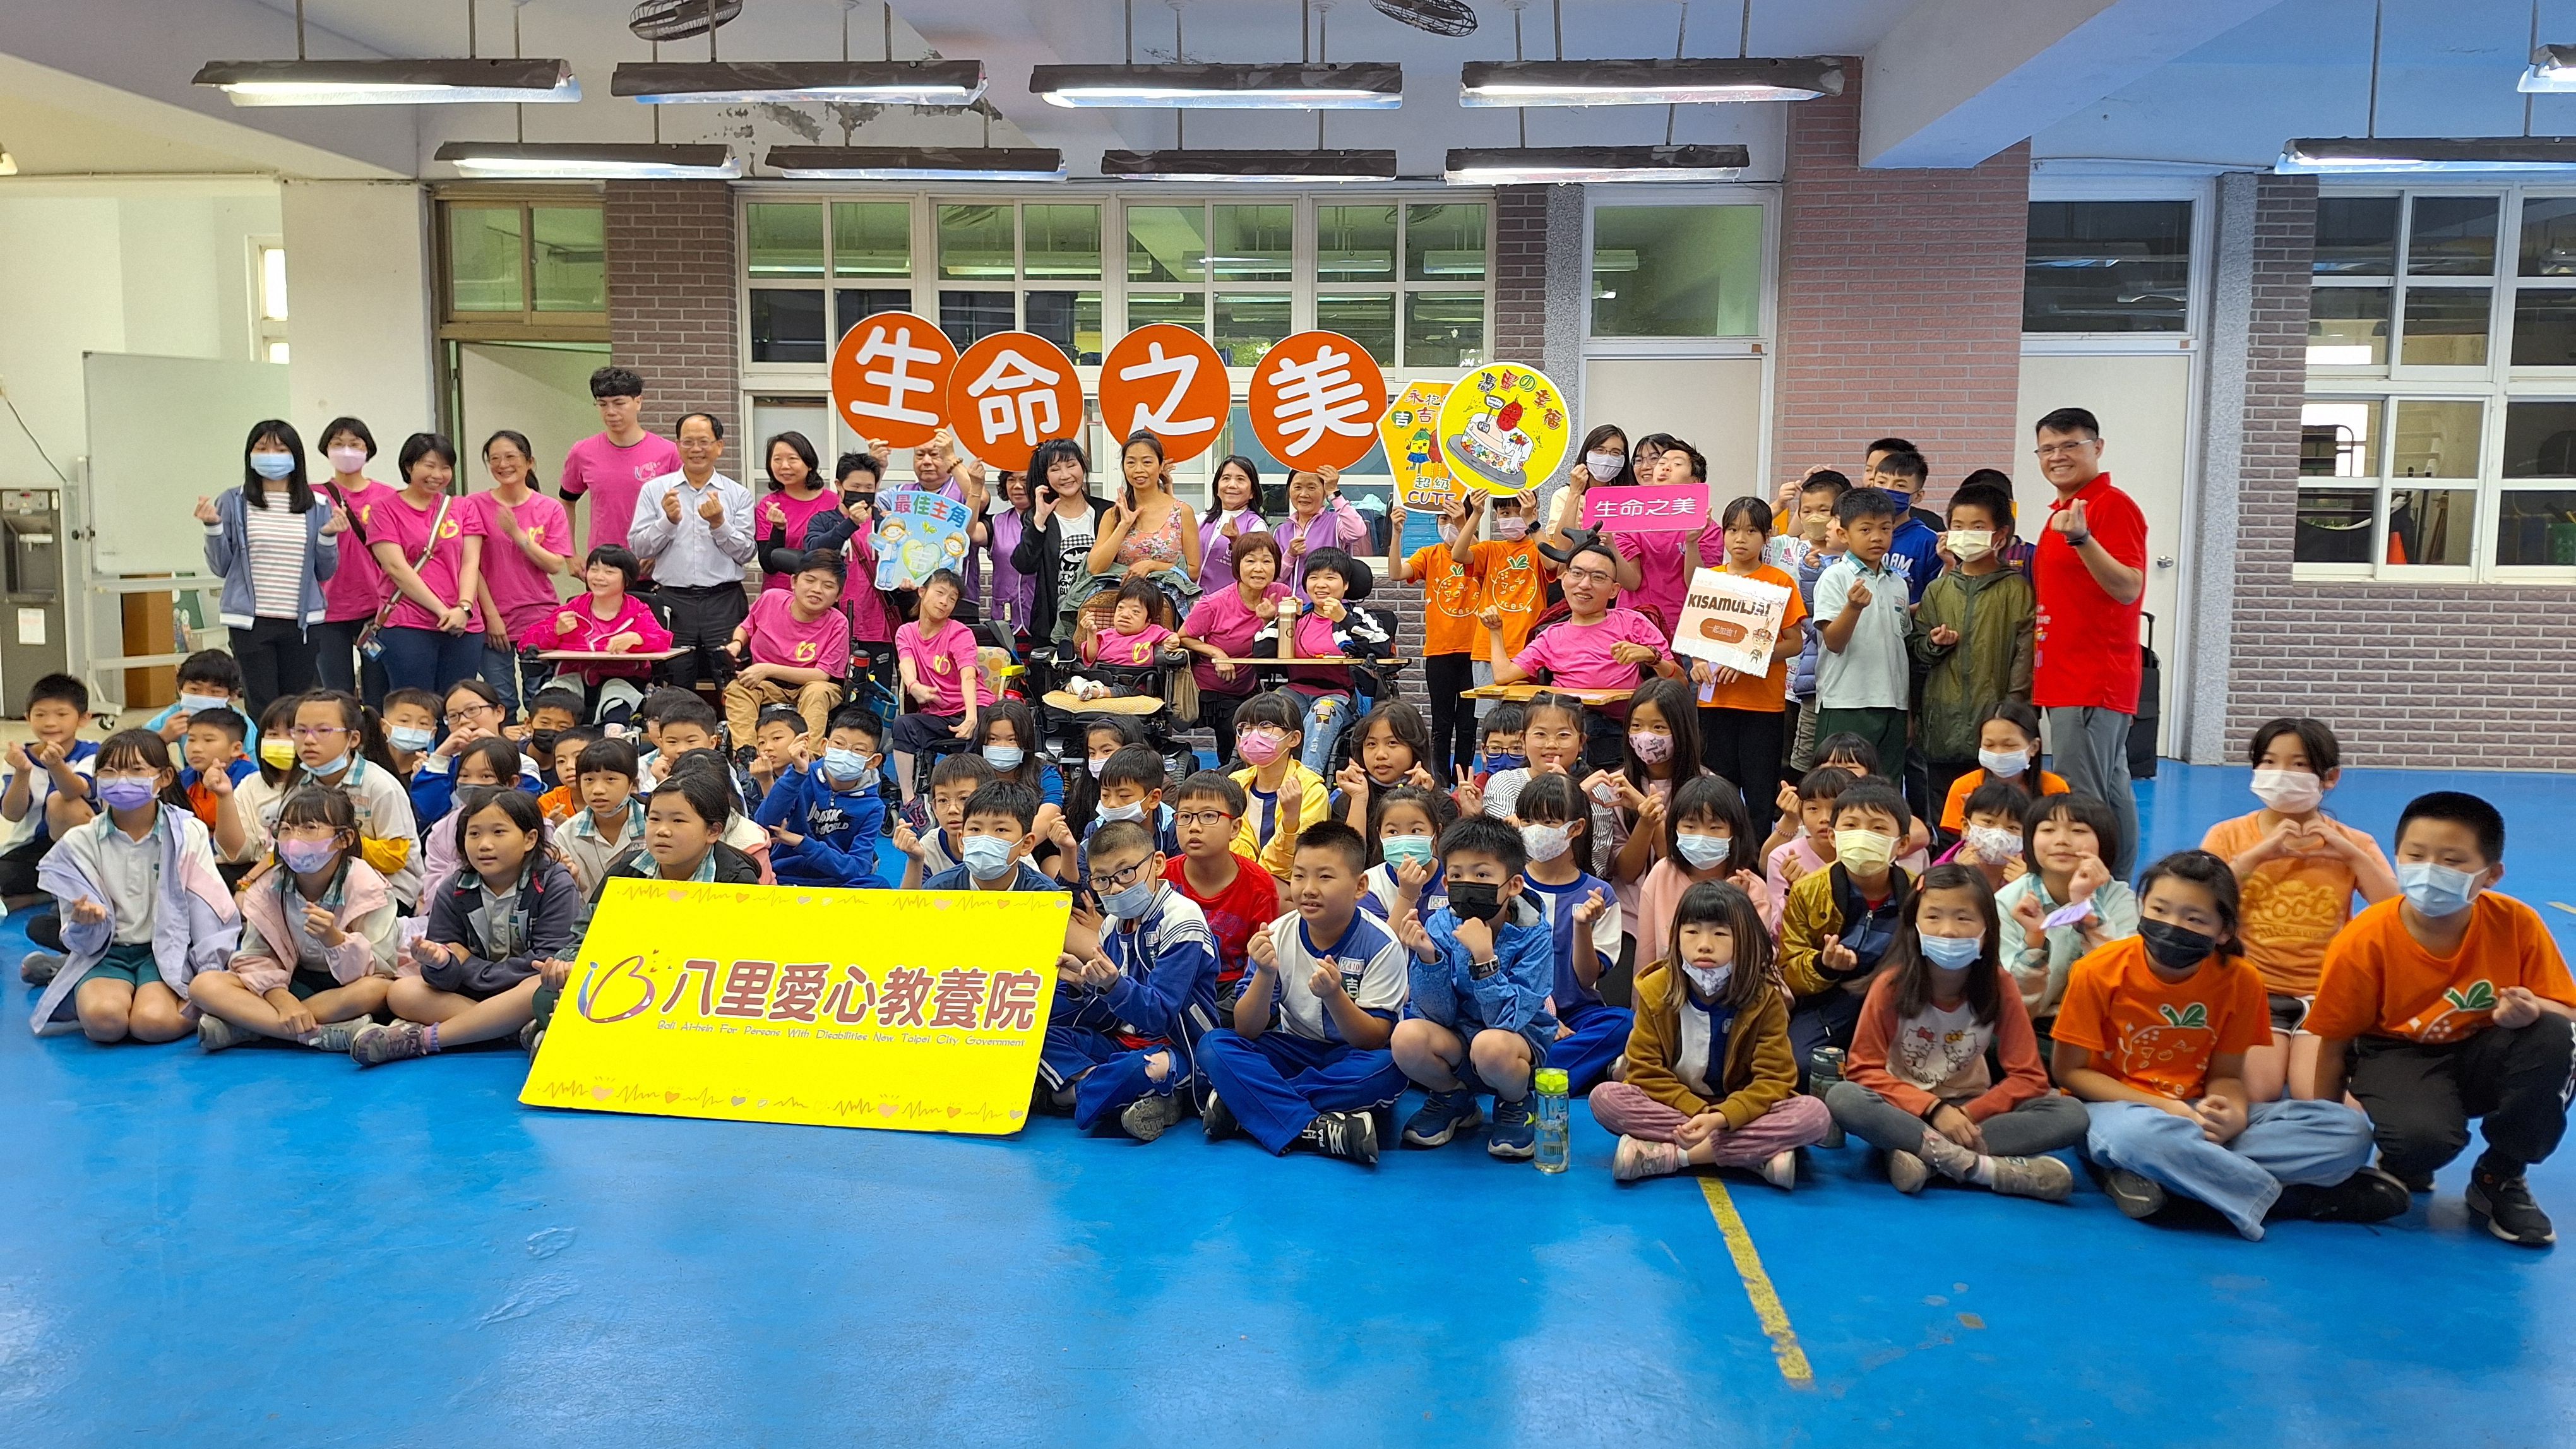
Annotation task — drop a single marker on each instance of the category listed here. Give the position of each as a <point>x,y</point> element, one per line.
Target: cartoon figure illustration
<point>1494,448</point>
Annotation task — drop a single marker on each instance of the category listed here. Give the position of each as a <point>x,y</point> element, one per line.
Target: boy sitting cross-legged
<point>1126,1018</point>
<point>1478,1018</point>
<point>823,817</point>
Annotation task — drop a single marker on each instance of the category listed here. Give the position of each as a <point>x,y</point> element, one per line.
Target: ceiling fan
<point>680,19</point>
<point>1451,18</point>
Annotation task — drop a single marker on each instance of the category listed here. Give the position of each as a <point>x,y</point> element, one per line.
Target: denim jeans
<point>1327,715</point>
<point>2316,1143</point>
<point>430,659</point>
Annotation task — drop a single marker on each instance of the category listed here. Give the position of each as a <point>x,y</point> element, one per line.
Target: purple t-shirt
<point>615,477</point>
<point>524,593</point>
<point>1577,656</point>
<point>1226,621</point>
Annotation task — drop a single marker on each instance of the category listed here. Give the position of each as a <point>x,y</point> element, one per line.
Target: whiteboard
<point>164,432</point>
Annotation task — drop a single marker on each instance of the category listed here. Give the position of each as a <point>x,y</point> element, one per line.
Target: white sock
<point>1983,1174</point>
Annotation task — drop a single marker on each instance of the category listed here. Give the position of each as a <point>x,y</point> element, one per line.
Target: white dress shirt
<point>693,553</point>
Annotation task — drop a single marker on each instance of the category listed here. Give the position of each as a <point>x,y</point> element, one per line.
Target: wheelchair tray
<point>1138,705</point>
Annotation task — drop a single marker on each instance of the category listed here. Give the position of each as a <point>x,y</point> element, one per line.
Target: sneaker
<point>531,1034</point>
<point>1907,1172</point>
<point>2419,1183</point>
<point>1781,1169</point>
<point>2135,1196</point>
<point>2044,1178</point>
<point>38,968</point>
<point>1216,1119</point>
<point>2505,1203</point>
<point>1515,1134</point>
<point>1638,1158</point>
<point>1945,1156</point>
<point>1444,1115</point>
<point>2368,1196</point>
<point>214,1033</point>
<point>1145,1118</point>
<point>334,1036</point>
<point>1350,1136</point>
<point>373,1045</point>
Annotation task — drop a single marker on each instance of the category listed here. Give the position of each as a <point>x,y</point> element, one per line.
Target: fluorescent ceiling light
<point>1286,166</point>
<point>1505,165</point>
<point>1364,85</point>
<point>916,163</point>
<point>879,82</point>
<point>2553,68</point>
<point>390,82</point>
<point>2332,156</point>
<point>591,160</point>
<point>1645,82</point>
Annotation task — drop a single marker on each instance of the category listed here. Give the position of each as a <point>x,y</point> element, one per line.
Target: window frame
<point>2057,182</point>
<point>1763,194</point>
<point>528,324</point>
<point>268,334</point>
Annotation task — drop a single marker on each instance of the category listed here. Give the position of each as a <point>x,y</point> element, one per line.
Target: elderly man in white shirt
<point>693,530</point>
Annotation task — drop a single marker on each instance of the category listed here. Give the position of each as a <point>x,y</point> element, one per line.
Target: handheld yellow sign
<point>1413,451</point>
<point>1504,428</point>
<point>919,1011</point>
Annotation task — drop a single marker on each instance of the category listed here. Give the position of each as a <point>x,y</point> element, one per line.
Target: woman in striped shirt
<point>273,543</point>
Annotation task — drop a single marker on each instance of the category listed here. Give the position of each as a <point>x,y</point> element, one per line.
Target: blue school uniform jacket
<point>1568,989</point>
<point>1512,996</point>
<point>1166,986</point>
<point>840,829</point>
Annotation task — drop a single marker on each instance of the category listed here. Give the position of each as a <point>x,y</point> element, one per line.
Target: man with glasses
<point>693,529</point>
<point>612,466</point>
<point>2091,573</point>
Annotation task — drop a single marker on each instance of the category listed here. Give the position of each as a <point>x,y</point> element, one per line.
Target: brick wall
<point>2422,676</point>
<point>1900,302</point>
<point>671,288</point>
<point>1520,275</point>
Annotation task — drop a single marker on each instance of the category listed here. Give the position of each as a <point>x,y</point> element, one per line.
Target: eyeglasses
<point>2065,450</point>
<point>469,711</point>
<point>316,732</point>
<point>1589,576</point>
<point>1211,818</point>
<point>1121,880</point>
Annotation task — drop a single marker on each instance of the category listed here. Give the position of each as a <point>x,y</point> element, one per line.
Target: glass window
<point>871,238</point>
<point>1444,329</point>
<point>2432,526</point>
<point>970,317</point>
<point>1166,244</point>
<point>272,283</point>
<point>1355,244</point>
<point>1248,324</point>
<point>1061,243</point>
<point>2536,528</point>
<point>784,239</point>
<point>2436,439</point>
<point>2348,327</point>
<point>2540,439</point>
<point>787,325</point>
<point>1189,309</point>
<point>2106,266</point>
<point>1253,243</point>
<point>483,259</point>
<point>570,257</point>
<point>2339,438</point>
<point>2445,327</point>
<point>2452,236</point>
<point>1676,271</point>
<point>2335,524</point>
<point>2544,327</point>
<point>853,305</point>
<point>1367,319</point>
<point>2356,236</point>
<point>1070,320</point>
<point>975,244</point>
<point>1445,242</point>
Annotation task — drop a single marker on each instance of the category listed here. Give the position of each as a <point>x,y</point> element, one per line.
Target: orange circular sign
<point>1009,393</point>
<point>890,378</point>
<point>1166,380</point>
<point>1316,399</point>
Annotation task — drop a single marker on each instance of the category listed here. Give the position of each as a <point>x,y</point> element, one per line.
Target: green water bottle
<point>1554,1122</point>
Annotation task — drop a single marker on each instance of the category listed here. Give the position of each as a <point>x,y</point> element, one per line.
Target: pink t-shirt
<point>799,513</point>
<point>1129,650</point>
<point>1223,619</point>
<point>615,477</point>
<point>778,637</point>
<point>942,661</point>
<point>871,622</point>
<point>590,635</point>
<point>358,589</point>
<point>524,593</point>
<point>407,529</point>
<point>1577,656</point>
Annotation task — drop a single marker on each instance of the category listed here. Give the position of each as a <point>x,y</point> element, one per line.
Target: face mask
<point>1132,903</point>
<point>1134,810</point>
<point>1994,844</point>
<point>2291,792</point>
<point>1863,849</point>
<point>2175,948</point>
<point>1260,747</point>
<point>1511,529</point>
<point>408,740</point>
<point>127,792</point>
<point>1953,953</point>
<point>1970,543</point>
<point>1814,526</point>
<point>272,466</point>
<point>1703,851</point>
<point>1652,748</point>
<point>1500,763</point>
<point>1475,900</point>
<point>545,741</point>
<point>331,766</point>
<point>858,500</point>
<point>986,856</point>
<point>2437,890</point>
<point>1545,842</point>
<point>1604,466</point>
<point>306,856</point>
<point>200,703</point>
<point>2004,764</point>
<point>348,460</point>
<point>1006,757</point>
<point>280,754</point>
<point>1402,850</point>
<point>847,765</point>
<point>1096,766</point>
<point>1449,533</point>
<point>1709,979</point>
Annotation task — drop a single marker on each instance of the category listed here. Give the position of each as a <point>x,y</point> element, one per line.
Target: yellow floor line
<point>1757,1286</point>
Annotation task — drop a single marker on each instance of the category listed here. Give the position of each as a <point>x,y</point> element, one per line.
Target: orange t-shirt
<point>2288,909</point>
<point>1510,579</point>
<point>1448,601</point>
<point>2380,981</point>
<point>558,803</point>
<point>1763,693</point>
<point>2159,1036</point>
<point>1954,812</point>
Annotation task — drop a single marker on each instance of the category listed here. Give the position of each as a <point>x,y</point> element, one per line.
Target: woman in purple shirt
<point>1318,518</point>
<point>1238,495</point>
<point>1015,594</point>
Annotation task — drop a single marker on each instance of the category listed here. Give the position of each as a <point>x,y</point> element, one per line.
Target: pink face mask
<point>1260,747</point>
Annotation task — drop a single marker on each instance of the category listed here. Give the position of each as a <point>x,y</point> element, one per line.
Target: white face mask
<point>1511,529</point>
<point>1864,849</point>
<point>2004,764</point>
<point>1953,953</point>
<point>1604,466</point>
<point>1703,851</point>
<point>1994,844</point>
<point>2437,890</point>
<point>1970,543</point>
<point>1545,842</point>
<point>2291,792</point>
<point>1133,810</point>
<point>1709,979</point>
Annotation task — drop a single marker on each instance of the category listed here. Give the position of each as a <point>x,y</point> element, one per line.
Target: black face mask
<point>855,500</point>
<point>2175,948</point>
<point>543,742</point>
<point>1475,900</point>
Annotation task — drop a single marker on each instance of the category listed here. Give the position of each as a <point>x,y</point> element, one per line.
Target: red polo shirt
<point>2086,642</point>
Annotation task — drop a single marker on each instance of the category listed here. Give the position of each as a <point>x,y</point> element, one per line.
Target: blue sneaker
<point>1515,1134</point>
<point>1444,1115</point>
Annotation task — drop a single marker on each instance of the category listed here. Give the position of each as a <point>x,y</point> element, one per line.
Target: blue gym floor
<point>270,1247</point>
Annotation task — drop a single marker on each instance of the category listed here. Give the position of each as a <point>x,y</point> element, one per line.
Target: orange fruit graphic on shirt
<point>2464,1010</point>
<point>2164,1052</point>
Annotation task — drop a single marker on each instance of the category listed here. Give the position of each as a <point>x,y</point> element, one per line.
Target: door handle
<point>2165,562</point>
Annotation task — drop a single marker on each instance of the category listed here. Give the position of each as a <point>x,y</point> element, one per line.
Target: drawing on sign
<point>1503,428</point>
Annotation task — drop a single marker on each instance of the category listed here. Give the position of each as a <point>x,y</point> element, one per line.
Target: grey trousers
<point>2090,747</point>
<point>2043,1124</point>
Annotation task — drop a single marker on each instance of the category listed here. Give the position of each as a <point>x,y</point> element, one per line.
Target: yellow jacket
<point>1759,1073</point>
<point>1811,917</point>
<point>1314,805</point>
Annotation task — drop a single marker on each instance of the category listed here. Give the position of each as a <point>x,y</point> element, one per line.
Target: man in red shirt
<point>2090,572</point>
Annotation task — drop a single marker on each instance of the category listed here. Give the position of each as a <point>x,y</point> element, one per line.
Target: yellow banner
<point>920,1011</point>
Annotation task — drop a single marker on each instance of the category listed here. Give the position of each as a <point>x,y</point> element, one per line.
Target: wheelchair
<point>1139,692</point>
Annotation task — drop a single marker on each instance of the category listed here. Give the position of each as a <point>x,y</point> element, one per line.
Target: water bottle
<point>1824,1068</point>
<point>1554,1127</point>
